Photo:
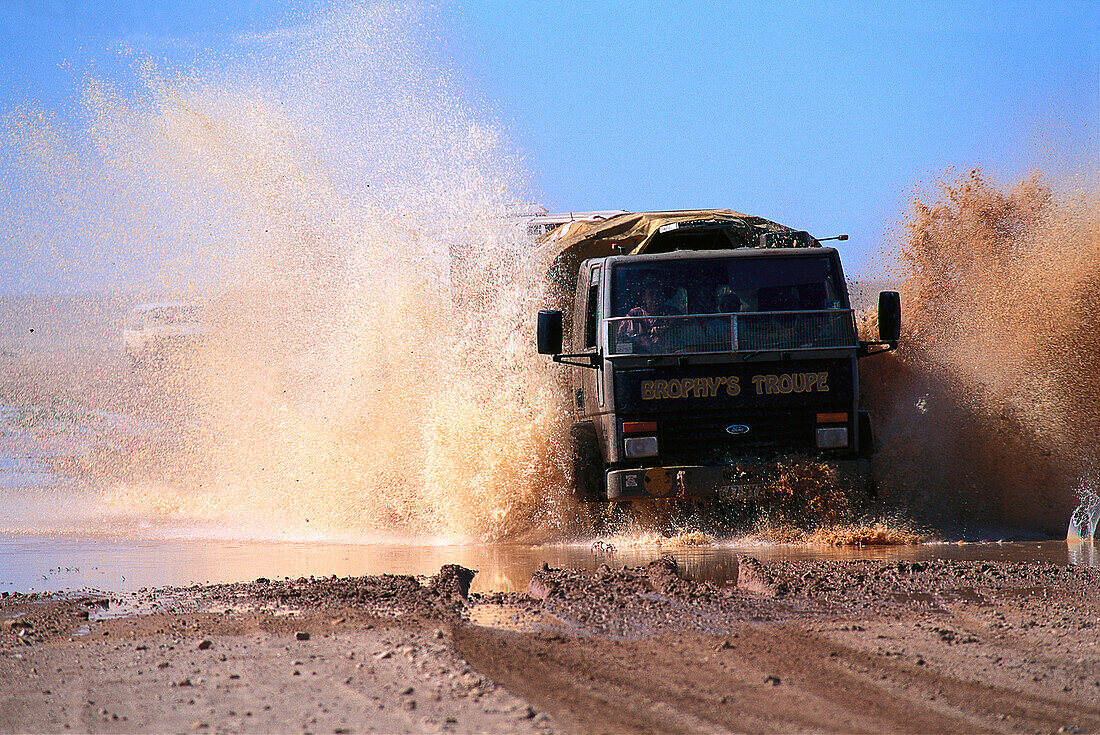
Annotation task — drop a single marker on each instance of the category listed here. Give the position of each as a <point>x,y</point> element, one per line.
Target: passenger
<point>702,332</point>
<point>701,298</point>
<point>646,333</point>
<point>720,329</point>
<point>730,303</point>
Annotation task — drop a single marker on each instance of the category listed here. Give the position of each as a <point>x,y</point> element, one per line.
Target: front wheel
<point>588,469</point>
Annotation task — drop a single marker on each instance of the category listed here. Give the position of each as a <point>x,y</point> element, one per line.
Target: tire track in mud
<point>942,680</point>
<point>681,684</point>
<point>693,683</point>
<point>801,647</point>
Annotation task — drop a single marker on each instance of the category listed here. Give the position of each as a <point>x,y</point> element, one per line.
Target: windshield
<point>728,304</point>
<point>726,285</point>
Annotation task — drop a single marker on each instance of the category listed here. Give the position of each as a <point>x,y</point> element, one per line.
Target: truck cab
<point>696,371</point>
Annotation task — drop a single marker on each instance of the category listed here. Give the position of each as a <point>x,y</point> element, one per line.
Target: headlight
<point>832,438</point>
<point>640,446</point>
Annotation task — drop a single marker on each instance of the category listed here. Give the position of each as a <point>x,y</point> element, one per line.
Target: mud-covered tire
<point>866,434</point>
<point>863,490</point>
<point>588,474</point>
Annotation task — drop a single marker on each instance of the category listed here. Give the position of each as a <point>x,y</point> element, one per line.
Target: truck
<point>705,347</point>
<point>157,333</point>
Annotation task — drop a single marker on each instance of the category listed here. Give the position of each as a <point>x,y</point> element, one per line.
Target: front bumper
<point>745,481</point>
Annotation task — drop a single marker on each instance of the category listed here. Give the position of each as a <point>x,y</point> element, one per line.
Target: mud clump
<point>637,601</point>
<point>442,597</point>
<point>664,575</point>
<point>453,582</point>
<point>755,577</point>
<point>656,598</point>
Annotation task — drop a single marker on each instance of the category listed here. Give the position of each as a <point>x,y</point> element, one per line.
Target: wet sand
<point>793,646</point>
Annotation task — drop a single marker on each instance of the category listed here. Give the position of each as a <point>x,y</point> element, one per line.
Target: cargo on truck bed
<point>705,346</point>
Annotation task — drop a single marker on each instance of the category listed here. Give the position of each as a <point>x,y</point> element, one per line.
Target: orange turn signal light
<point>833,418</point>
<point>639,427</point>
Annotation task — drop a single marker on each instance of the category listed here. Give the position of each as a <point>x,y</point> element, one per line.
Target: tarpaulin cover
<point>632,233</point>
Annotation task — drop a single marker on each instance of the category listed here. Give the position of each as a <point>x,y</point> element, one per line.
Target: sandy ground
<point>858,646</point>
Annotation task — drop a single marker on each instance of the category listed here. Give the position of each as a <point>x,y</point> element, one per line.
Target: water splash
<point>1086,516</point>
<point>998,374</point>
<point>341,210</point>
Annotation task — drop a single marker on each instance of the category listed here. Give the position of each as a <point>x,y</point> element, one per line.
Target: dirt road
<point>793,647</point>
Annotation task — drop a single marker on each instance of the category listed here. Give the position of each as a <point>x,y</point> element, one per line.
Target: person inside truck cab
<point>646,333</point>
<point>729,303</point>
<point>701,298</point>
<point>704,330</point>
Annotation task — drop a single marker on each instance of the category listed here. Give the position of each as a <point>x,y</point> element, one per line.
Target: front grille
<point>702,438</point>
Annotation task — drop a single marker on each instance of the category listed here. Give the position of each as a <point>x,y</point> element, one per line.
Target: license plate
<point>746,491</point>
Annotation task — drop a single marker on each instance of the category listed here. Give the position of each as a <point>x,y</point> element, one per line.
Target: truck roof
<point>635,233</point>
<point>738,253</point>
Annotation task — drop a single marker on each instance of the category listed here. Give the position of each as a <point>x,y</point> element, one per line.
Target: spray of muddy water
<point>342,213</point>
<point>341,210</point>
<point>990,409</point>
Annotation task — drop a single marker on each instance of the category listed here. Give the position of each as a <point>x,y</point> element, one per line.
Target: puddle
<point>31,563</point>
<point>963,594</point>
<point>1036,591</point>
<point>516,618</point>
<point>936,600</point>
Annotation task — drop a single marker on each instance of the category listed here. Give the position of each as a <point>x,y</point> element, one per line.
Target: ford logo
<point>737,429</point>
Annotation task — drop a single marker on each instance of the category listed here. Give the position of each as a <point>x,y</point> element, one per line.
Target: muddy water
<point>997,376</point>
<point>45,563</point>
<point>60,530</point>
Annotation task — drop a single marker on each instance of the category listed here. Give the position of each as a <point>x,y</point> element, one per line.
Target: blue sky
<point>819,115</point>
<point>823,116</point>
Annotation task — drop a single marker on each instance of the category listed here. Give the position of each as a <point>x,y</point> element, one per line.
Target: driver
<point>642,331</point>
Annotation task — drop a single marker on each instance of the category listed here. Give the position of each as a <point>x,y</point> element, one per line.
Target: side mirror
<point>549,332</point>
<point>889,316</point>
